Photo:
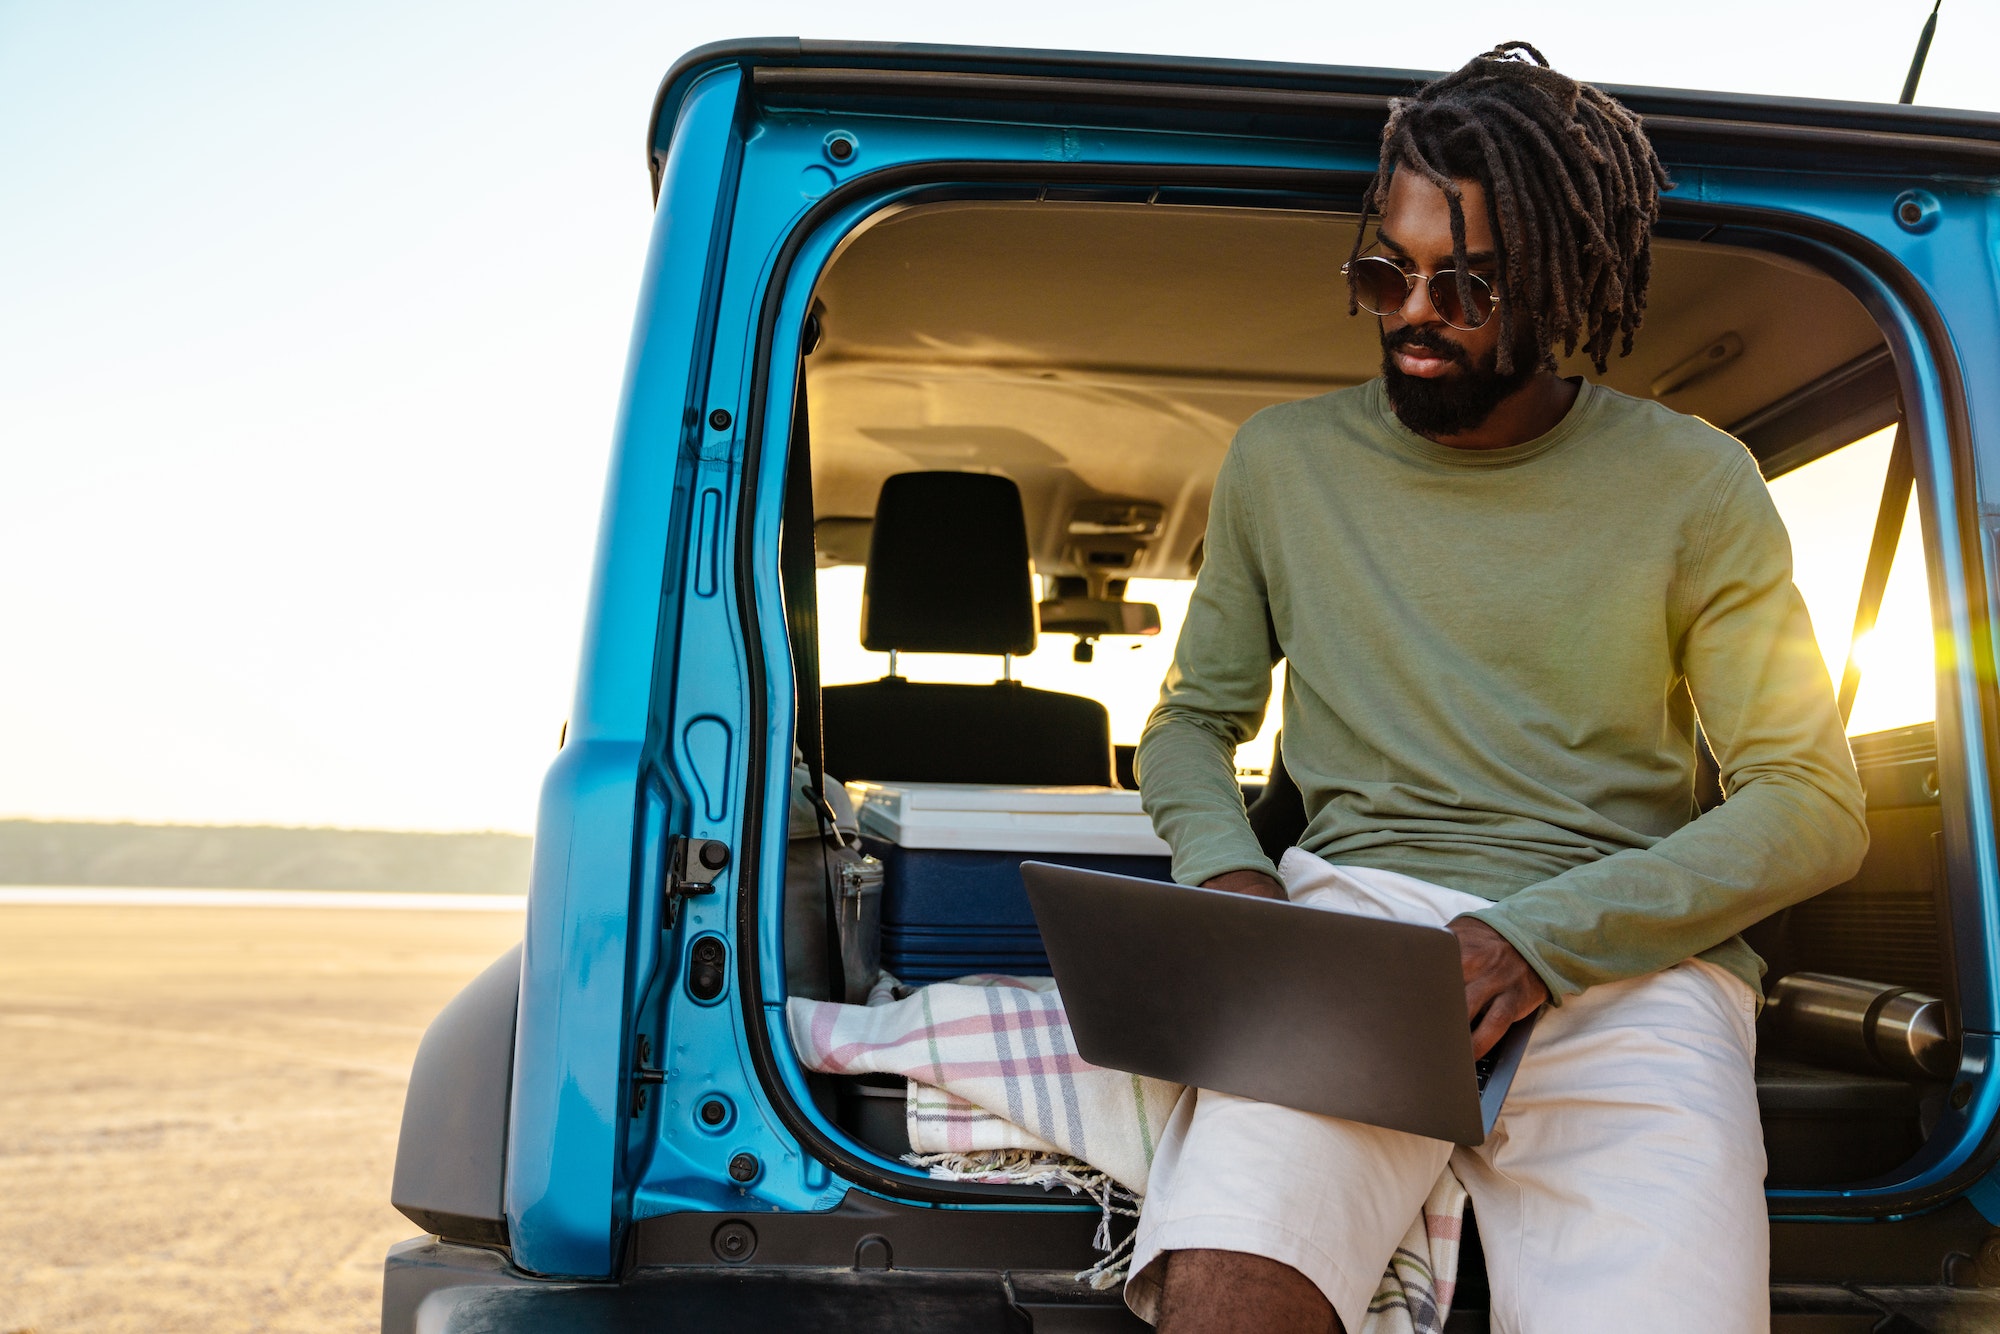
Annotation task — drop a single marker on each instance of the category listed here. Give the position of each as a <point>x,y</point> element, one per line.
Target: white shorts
<point>1622,1188</point>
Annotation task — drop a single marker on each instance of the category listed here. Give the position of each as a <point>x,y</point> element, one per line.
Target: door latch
<point>692,866</point>
<point>643,1072</point>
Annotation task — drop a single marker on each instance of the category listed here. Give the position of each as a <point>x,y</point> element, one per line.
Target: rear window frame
<point>1941,441</point>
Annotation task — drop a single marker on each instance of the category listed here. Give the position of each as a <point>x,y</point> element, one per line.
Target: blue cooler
<point>952,901</point>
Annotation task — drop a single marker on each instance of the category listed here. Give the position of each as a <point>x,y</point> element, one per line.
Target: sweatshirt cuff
<point>1195,870</point>
<point>1529,948</point>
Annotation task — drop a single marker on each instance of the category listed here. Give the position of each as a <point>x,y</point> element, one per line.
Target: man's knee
<point>1217,1292</point>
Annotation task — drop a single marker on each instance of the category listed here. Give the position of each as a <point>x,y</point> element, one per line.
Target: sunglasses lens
<point>1461,313</point>
<point>1379,286</point>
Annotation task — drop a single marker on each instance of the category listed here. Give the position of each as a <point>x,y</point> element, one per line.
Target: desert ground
<point>198,1109</point>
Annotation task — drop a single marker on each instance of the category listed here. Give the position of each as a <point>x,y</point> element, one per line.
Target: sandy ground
<point>198,1109</point>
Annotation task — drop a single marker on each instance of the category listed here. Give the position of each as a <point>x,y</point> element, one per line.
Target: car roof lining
<point>1094,350</point>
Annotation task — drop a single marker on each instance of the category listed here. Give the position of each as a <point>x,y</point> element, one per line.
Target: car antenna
<point>1923,51</point>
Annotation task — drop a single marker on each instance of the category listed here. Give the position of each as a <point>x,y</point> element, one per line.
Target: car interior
<point>1015,410</point>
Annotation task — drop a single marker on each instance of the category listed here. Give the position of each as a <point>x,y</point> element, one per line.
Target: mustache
<point>1427,340</point>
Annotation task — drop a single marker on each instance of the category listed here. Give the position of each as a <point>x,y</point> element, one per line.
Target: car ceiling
<point>1092,350</point>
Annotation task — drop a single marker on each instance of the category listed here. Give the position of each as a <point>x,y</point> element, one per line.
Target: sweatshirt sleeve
<point>1213,699</point>
<point>1794,821</point>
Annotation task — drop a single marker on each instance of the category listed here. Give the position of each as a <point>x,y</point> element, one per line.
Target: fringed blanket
<point>998,1093</point>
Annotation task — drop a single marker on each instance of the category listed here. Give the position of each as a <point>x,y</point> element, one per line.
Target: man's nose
<point>1417,307</point>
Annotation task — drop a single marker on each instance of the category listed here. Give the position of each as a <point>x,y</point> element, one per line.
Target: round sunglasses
<point>1382,287</point>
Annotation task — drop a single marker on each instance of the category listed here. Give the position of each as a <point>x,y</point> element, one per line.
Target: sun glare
<point>1829,508</point>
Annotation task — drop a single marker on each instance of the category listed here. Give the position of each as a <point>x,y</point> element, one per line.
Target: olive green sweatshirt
<point>1490,656</point>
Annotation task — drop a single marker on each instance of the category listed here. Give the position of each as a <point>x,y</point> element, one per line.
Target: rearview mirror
<point>1087,617</point>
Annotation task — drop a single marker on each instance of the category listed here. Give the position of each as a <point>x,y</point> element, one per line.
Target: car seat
<point>948,572</point>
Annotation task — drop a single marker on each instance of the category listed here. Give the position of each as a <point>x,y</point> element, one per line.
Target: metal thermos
<point>1866,1026</point>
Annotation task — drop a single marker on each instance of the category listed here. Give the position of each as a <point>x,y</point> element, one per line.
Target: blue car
<point>950,342</point>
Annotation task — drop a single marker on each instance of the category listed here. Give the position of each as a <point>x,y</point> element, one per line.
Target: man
<point>1497,592</point>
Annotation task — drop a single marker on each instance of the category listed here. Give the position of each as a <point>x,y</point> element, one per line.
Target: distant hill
<point>53,852</point>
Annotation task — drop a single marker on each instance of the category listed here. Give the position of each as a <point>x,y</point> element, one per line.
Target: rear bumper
<point>434,1287</point>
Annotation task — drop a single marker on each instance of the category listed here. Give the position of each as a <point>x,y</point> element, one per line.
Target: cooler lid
<point>905,798</point>
<point>980,817</point>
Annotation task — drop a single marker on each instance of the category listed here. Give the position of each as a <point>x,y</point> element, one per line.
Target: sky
<point>313,318</point>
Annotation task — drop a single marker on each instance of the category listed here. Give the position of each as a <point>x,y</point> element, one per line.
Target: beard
<point>1448,404</point>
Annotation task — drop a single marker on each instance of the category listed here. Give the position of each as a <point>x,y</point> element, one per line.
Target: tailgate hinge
<point>692,867</point>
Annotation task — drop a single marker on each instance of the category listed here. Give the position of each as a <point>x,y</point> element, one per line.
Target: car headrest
<point>948,567</point>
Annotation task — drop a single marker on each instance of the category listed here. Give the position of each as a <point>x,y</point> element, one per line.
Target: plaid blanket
<point>997,1069</point>
<point>998,1092</point>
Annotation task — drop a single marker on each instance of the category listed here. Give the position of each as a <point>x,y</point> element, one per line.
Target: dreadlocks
<point>1573,185</point>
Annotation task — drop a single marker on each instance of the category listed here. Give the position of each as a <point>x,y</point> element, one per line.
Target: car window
<point>1829,507</point>
<point>1125,676</point>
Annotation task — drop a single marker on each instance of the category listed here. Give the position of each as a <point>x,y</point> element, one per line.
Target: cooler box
<point>952,901</point>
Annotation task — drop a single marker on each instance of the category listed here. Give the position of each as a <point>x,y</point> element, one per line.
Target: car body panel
<point>564,1205</point>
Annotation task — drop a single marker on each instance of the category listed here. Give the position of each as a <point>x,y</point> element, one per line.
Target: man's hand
<point>1254,883</point>
<point>1499,986</point>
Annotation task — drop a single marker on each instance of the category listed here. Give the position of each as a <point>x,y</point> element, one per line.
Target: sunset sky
<point>312,322</point>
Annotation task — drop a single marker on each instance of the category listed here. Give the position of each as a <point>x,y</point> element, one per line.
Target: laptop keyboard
<point>1483,1068</point>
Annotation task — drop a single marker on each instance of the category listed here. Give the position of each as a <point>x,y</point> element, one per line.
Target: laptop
<point>1327,1012</point>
